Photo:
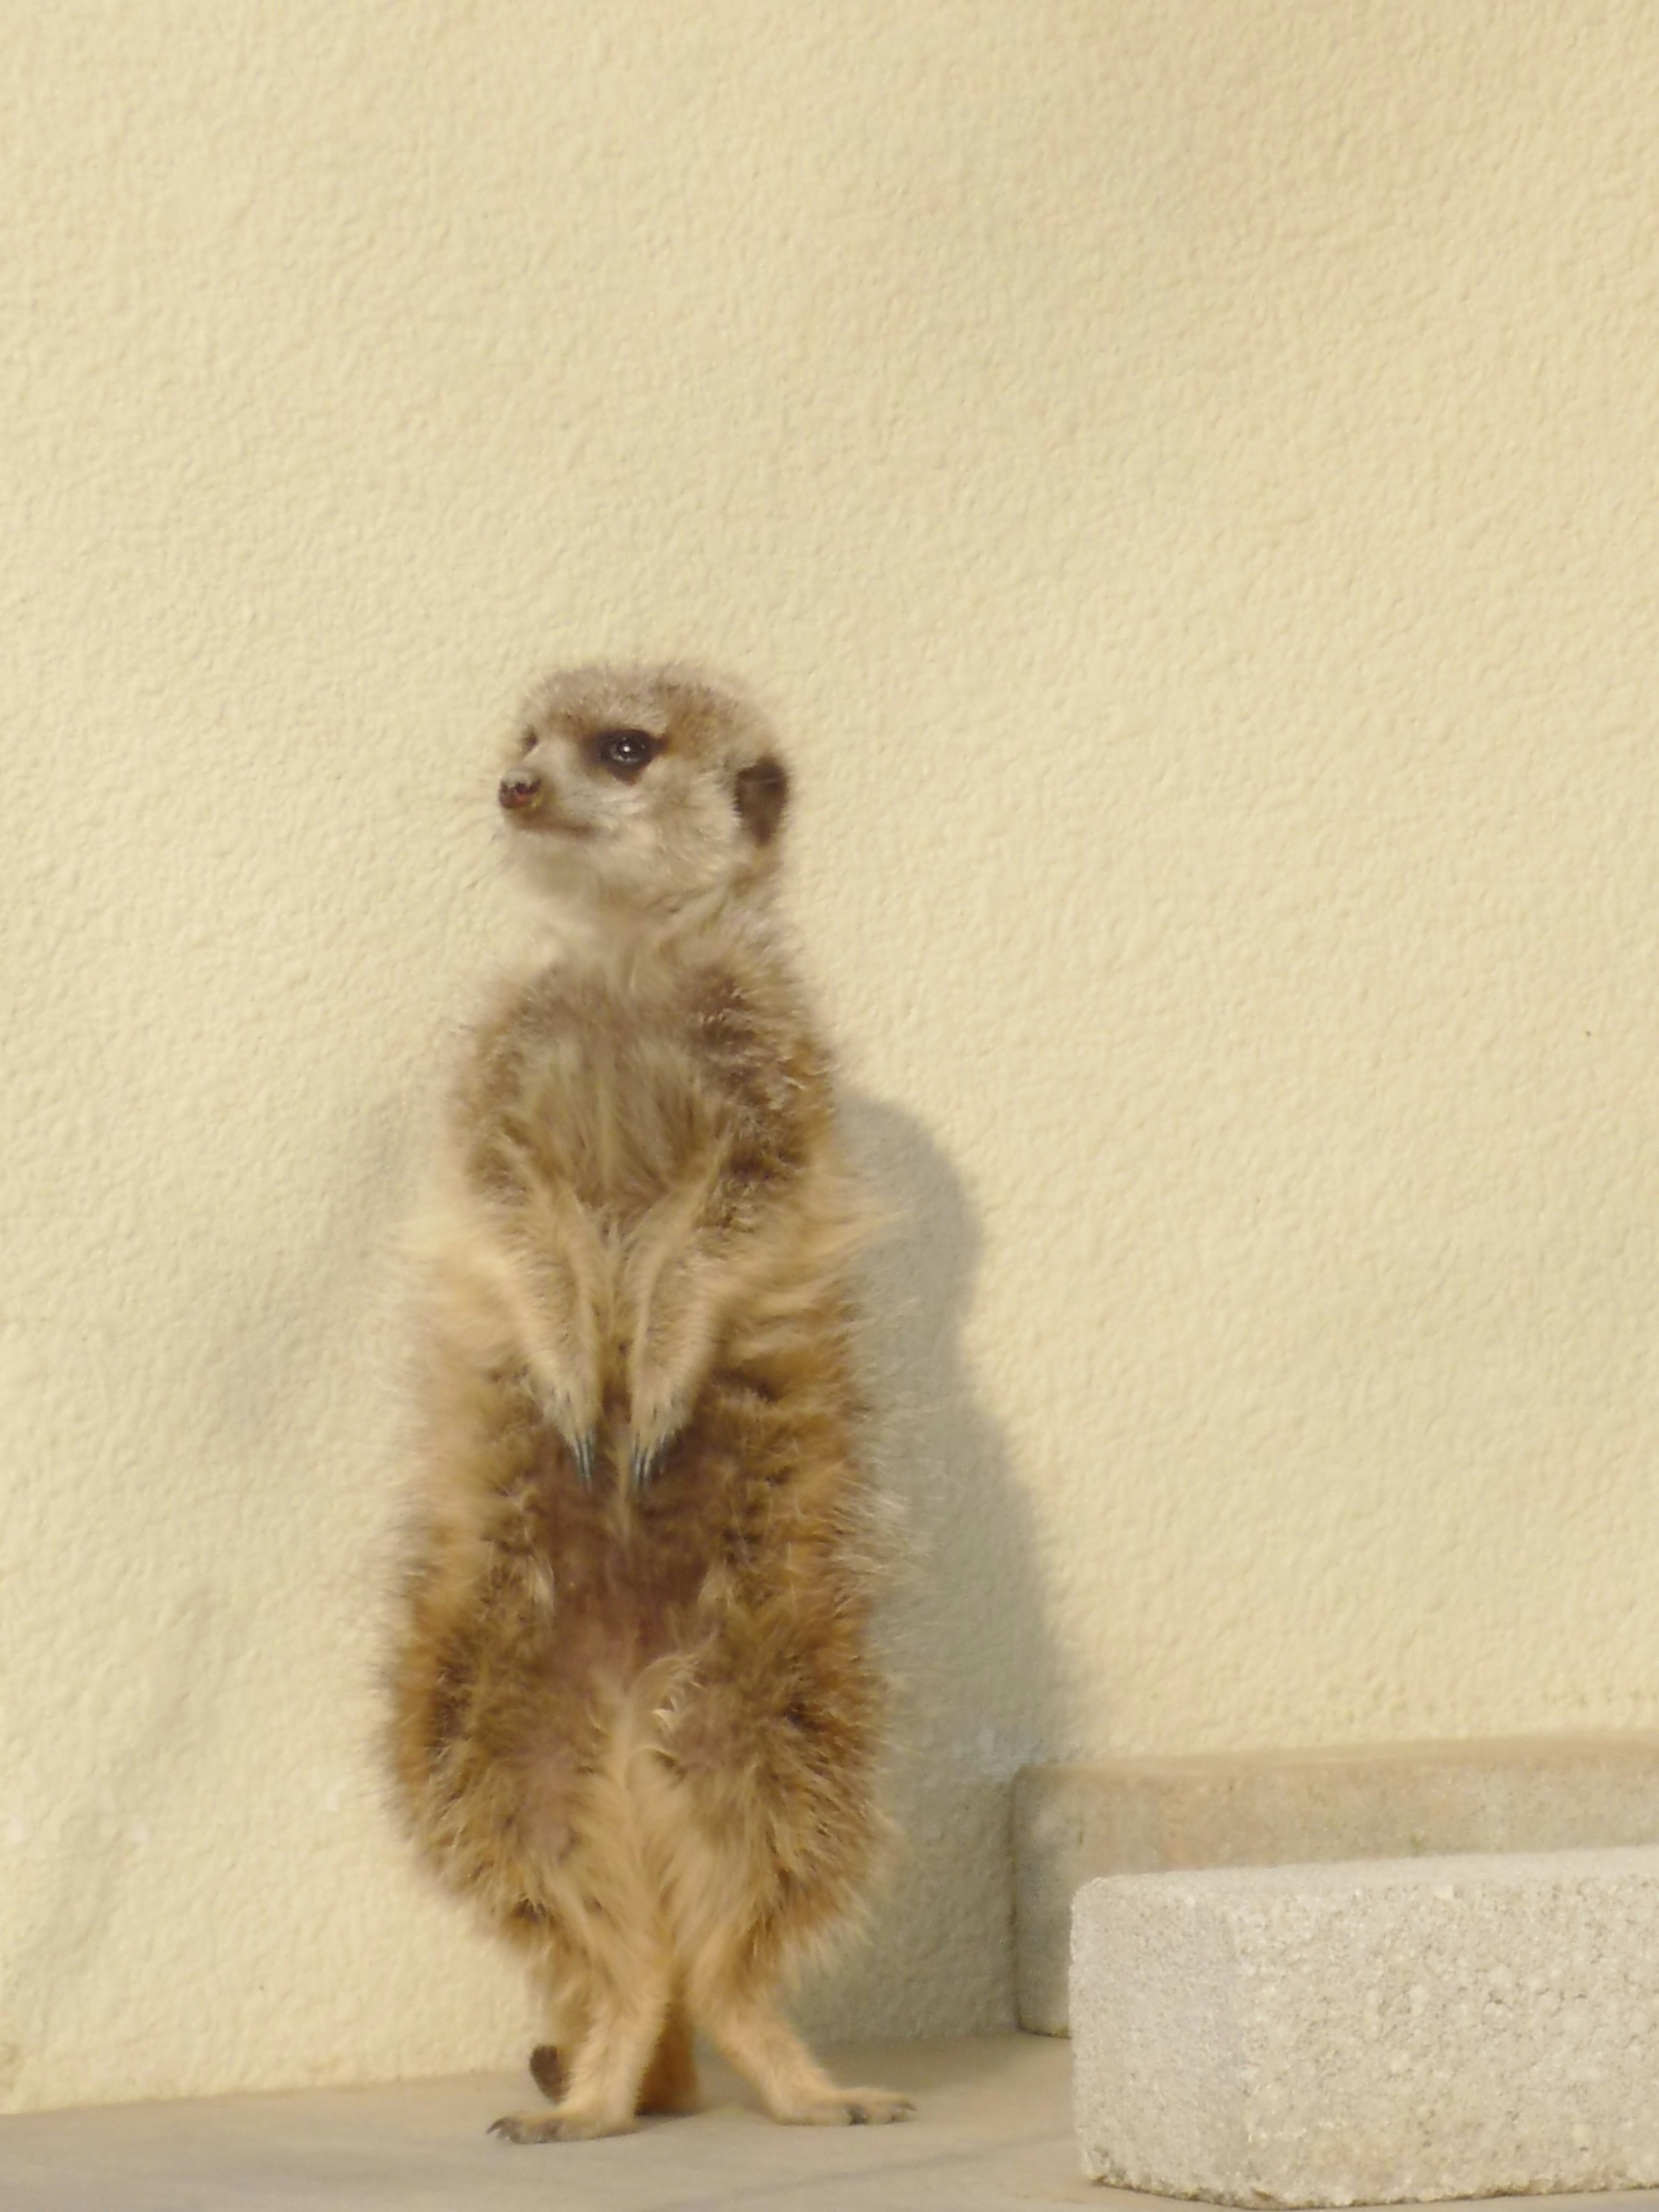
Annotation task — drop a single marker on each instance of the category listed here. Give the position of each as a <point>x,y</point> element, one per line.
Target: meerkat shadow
<point>974,1660</point>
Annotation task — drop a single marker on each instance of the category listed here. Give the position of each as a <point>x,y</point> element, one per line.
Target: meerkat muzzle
<point>517,791</point>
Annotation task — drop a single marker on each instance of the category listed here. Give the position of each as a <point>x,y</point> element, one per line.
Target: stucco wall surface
<point>1185,477</point>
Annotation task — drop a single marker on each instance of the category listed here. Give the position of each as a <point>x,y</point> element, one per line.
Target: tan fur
<point>635,1711</point>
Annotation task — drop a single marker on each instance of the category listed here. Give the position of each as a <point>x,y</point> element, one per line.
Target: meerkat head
<point>643,787</point>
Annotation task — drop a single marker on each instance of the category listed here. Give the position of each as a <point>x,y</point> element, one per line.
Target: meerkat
<point>635,1713</point>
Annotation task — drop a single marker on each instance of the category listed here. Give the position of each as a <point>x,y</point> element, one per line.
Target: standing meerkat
<point>636,1714</point>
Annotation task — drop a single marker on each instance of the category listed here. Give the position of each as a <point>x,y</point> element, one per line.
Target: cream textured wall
<point>1186,475</point>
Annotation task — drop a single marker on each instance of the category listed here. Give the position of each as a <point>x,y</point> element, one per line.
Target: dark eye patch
<point>624,754</point>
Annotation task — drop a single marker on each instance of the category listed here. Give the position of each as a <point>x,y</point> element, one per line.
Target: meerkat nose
<point>519,791</point>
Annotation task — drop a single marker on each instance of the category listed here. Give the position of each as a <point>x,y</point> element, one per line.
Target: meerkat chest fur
<point>621,1090</point>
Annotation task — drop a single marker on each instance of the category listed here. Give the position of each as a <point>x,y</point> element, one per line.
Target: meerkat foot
<point>849,2108</point>
<point>566,2125</point>
<point>793,2088</point>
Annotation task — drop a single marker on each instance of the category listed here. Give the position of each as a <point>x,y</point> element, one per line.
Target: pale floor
<point>992,2133</point>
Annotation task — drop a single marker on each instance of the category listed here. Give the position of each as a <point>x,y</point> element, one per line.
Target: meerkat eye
<point>626,753</point>
<point>527,743</point>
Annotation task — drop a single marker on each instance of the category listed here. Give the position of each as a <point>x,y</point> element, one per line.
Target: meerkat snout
<point>520,790</point>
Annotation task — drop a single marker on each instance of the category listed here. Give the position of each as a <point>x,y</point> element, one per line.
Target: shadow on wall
<point>975,1664</point>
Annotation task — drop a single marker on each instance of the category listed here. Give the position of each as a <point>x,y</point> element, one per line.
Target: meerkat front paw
<point>582,1444</point>
<point>657,1413</point>
<point>642,1459</point>
<point>572,1413</point>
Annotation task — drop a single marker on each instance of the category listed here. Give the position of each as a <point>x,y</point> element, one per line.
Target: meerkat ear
<point>762,791</point>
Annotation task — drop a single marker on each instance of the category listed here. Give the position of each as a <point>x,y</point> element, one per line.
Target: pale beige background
<point>1185,475</point>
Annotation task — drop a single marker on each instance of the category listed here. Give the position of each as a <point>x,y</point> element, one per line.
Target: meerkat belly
<point>668,1630</point>
<point>581,1591</point>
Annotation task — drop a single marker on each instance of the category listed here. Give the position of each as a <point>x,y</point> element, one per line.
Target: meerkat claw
<point>581,1451</point>
<point>642,1463</point>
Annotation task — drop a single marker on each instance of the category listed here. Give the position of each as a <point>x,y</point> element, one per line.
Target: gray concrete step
<point>1075,1824</point>
<point>1377,2031</point>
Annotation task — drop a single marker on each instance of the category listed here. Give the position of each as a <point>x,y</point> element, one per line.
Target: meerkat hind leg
<point>671,2080</point>
<point>602,2077</point>
<point>795,2089</point>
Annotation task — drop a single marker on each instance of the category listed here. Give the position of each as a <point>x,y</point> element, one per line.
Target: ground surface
<point>992,2133</point>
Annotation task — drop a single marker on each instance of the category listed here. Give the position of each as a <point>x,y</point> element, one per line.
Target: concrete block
<point>1371,2033</point>
<point>1073,1824</point>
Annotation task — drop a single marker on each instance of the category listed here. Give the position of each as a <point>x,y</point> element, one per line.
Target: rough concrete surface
<point>991,2132</point>
<point>1074,1824</point>
<point>1371,2033</point>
